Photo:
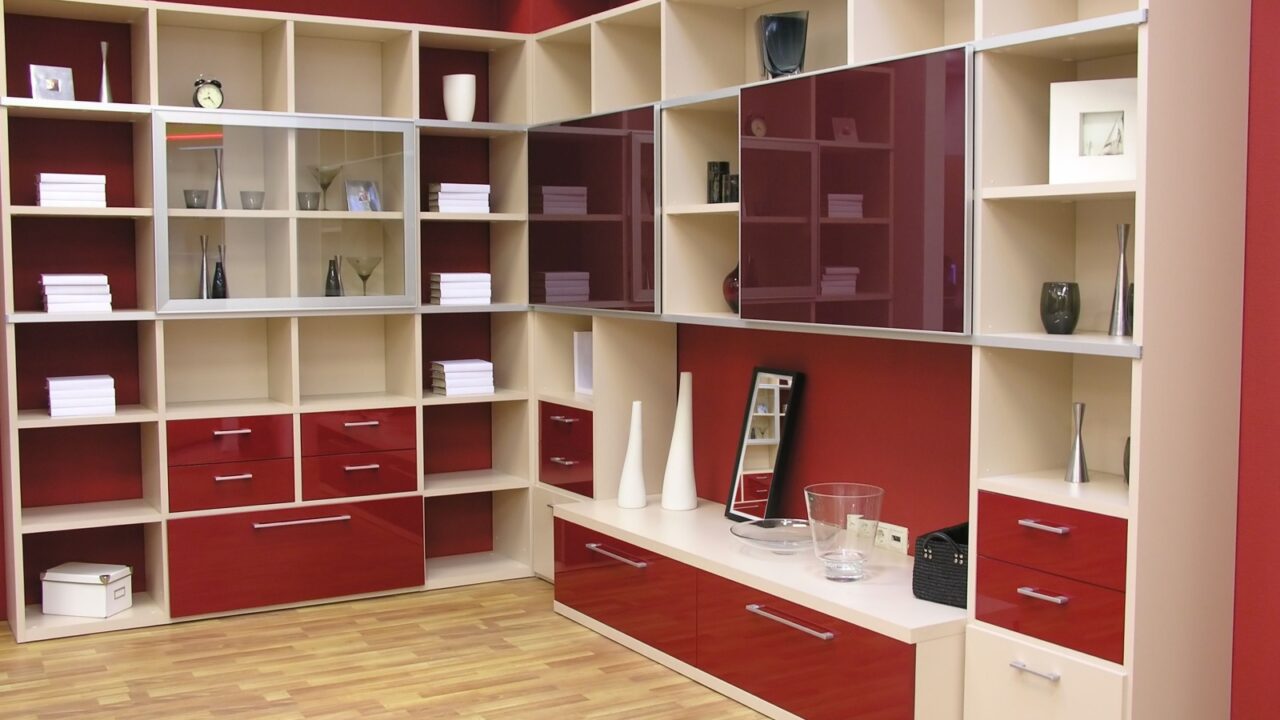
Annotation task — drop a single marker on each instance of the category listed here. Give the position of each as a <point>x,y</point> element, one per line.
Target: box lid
<point>86,573</point>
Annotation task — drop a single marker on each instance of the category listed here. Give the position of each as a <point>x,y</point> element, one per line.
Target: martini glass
<point>364,267</point>
<point>324,176</point>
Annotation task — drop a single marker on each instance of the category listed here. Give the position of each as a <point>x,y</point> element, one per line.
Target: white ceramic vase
<point>679,490</point>
<point>631,491</point>
<point>460,97</point>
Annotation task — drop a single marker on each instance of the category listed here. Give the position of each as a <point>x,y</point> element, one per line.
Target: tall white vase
<point>460,97</point>
<point>631,491</point>
<point>679,490</point>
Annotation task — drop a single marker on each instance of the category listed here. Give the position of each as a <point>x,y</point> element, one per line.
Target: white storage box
<point>87,589</point>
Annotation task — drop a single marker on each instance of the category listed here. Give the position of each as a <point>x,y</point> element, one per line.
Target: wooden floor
<point>479,653</point>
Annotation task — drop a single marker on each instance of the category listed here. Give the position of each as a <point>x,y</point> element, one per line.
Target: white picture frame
<point>362,196</point>
<point>50,82</point>
<point>582,362</point>
<point>1094,131</point>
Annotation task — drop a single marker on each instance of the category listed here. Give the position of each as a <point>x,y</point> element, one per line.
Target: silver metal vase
<point>1120,312</point>
<point>219,192</point>
<point>204,267</point>
<point>1077,468</point>
<point>104,92</point>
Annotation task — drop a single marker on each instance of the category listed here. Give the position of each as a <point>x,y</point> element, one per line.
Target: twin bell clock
<point>208,93</point>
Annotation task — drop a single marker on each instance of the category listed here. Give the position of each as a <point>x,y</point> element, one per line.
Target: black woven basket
<point>942,566</point>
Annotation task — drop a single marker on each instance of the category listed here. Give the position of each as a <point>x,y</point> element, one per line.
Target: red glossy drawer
<point>331,476</point>
<point>256,559</point>
<point>1069,613</point>
<point>565,450</point>
<point>643,594</point>
<point>799,659</point>
<point>1062,541</point>
<point>259,482</point>
<point>200,442</point>
<point>358,431</point>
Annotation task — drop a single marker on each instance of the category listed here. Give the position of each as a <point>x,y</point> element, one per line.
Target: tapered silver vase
<point>1077,468</point>
<point>1120,312</point>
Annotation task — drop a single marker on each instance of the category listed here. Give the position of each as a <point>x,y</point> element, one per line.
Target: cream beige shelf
<point>75,110</point>
<point>725,208</point>
<point>470,481</point>
<point>232,214</point>
<point>453,128</point>
<point>472,569</point>
<point>87,212</point>
<point>355,401</point>
<point>489,308</point>
<point>499,395</point>
<point>1080,343</point>
<point>146,612</point>
<point>125,415</point>
<point>1105,493</point>
<point>192,410</point>
<point>570,399</point>
<point>1060,30</point>
<point>88,515</point>
<point>113,316</point>
<point>496,217</point>
<point>1078,192</point>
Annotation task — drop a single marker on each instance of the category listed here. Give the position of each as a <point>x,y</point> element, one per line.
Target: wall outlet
<point>892,537</point>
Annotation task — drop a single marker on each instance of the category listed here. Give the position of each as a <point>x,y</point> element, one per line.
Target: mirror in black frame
<point>772,403</point>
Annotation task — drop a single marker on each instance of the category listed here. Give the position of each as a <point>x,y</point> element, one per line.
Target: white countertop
<point>882,603</point>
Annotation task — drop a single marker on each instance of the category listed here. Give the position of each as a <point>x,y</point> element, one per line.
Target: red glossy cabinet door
<point>259,482</point>
<point>331,476</point>
<point>200,442</point>
<point>1057,540</point>
<point>801,660</point>
<point>1073,614</point>
<point>356,431</point>
<point>643,594</point>
<point>565,450</point>
<point>256,559</point>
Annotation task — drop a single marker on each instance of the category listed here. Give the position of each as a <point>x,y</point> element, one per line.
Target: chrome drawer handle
<point>307,521</point>
<point>358,468</point>
<point>596,548</point>
<point>1020,666</point>
<point>763,612</point>
<point>225,478</point>
<point>362,423</point>
<point>1037,525</point>
<point>1033,593</point>
<point>241,431</point>
<point>564,419</point>
<point>562,461</point>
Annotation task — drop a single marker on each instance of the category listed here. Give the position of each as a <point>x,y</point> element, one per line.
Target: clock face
<point>209,96</point>
<point>758,126</point>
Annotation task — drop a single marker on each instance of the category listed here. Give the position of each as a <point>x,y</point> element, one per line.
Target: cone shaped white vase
<point>631,490</point>
<point>679,490</point>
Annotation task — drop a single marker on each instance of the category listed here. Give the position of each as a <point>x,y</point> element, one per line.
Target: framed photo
<point>844,129</point>
<point>50,82</point>
<point>1093,131</point>
<point>362,196</point>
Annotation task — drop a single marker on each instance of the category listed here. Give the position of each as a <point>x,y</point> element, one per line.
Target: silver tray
<point>782,536</point>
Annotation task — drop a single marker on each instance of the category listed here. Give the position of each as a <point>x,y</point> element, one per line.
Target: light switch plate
<point>892,537</point>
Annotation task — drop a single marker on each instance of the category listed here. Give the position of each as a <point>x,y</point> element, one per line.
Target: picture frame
<point>844,129</point>
<point>50,82</point>
<point>1094,131</point>
<point>362,196</point>
<point>582,364</point>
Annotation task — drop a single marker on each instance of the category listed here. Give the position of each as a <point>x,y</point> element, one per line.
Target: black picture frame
<point>784,444</point>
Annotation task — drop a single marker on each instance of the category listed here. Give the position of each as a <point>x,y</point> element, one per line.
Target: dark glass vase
<point>731,289</point>
<point>332,283</point>
<point>782,42</point>
<point>1060,307</point>
<point>218,290</point>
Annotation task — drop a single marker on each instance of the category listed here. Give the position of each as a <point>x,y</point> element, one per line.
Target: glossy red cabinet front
<point>799,659</point>
<point>200,442</point>
<point>1059,610</point>
<point>641,593</point>
<point>257,559</point>
<point>355,431</point>
<point>330,476</point>
<point>259,482</point>
<point>1062,541</point>
<point>565,448</point>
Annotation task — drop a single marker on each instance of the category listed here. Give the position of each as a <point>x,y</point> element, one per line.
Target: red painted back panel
<point>73,245</point>
<point>53,465</point>
<point>124,545</point>
<point>452,247</point>
<point>459,524</point>
<point>68,43</point>
<point>457,437</point>
<point>435,63</point>
<point>70,146</point>
<point>55,350</point>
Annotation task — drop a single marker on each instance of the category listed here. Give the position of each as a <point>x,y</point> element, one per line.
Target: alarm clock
<point>757,125</point>
<point>208,94</point>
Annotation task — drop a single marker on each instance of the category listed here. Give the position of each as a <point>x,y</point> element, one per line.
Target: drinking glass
<point>364,267</point>
<point>843,518</point>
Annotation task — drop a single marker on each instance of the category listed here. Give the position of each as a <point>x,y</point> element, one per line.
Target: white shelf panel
<point>340,214</point>
<point>76,110</point>
<point>472,217</point>
<point>490,308</point>
<point>225,408</point>
<point>125,415</point>
<point>88,515</point>
<point>1077,344</point>
<point>146,612</point>
<point>1105,493</point>
<point>473,569</point>
<point>450,128</point>
<point>354,401</point>
<point>1100,37</point>
<point>499,395</point>
<point>725,208</point>
<point>437,36</point>
<point>113,316</point>
<point>471,481</point>
<point>569,399</point>
<point>87,212</point>
<point>232,214</point>
<point>1073,192</point>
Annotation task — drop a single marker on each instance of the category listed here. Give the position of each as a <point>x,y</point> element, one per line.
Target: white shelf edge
<point>88,515</point>
<point>467,482</point>
<point>75,109</point>
<point>1064,30</point>
<point>124,415</point>
<point>1105,493</point>
<point>80,212</point>
<point>354,401</point>
<point>452,128</point>
<point>472,217</point>
<point>193,410</point>
<point>146,612</point>
<point>473,569</point>
<point>429,398</point>
<point>38,316</point>
<point>568,399</point>
<point>429,309</point>
<point>1071,192</point>
<point>1077,344</point>
<point>724,208</point>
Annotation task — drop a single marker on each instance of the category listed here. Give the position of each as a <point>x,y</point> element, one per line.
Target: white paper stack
<point>81,395</point>
<point>564,200</point>
<point>561,287</point>
<point>462,377</point>
<point>844,205</point>
<point>71,190</point>
<point>840,280</point>
<point>458,197</point>
<point>76,293</point>
<point>461,289</point>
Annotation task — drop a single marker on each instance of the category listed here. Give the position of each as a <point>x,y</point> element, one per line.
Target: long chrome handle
<point>564,462</point>
<point>760,610</point>
<point>358,468</point>
<point>1033,593</point>
<point>241,431</point>
<point>564,419</point>
<point>307,521</point>
<point>225,478</point>
<point>363,423</point>
<point>1022,667</point>
<point>596,548</point>
<point>1037,525</point>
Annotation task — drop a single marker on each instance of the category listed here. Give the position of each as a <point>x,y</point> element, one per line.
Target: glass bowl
<point>781,536</point>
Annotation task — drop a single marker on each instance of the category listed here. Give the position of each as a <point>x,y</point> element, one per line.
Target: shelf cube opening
<point>247,55</point>
<point>77,46</point>
<point>110,462</point>
<point>118,248</point>
<point>256,251</point>
<point>363,355</point>
<point>58,350</point>
<point>218,361</point>
<point>374,66</point>
<point>41,145</point>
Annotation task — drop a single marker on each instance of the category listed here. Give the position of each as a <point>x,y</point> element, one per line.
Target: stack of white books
<point>564,200</point>
<point>840,280</point>
<point>462,377</point>
<point>561,287</point>
<point>71,190</point>
<point>461,289</point>
<point>844,205</point>
<point>76,293</point>
<point>81,395</point>
<point>458,197</point>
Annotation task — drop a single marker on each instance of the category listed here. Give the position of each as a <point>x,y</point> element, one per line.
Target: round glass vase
<point>843,519</point>
<point>1060,307</point>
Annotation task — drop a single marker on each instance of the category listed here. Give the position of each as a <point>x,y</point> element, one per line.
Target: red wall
<point>512,15</point>
<point>888,413</point>
<point>1256,694</point>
